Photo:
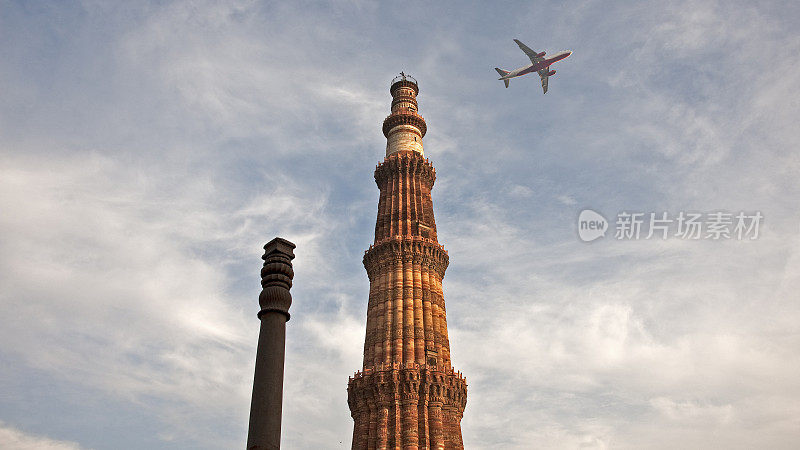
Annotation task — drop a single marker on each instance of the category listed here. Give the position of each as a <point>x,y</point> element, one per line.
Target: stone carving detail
<point>406,164</point>
<point>431,255</point>
<point>410,386</point>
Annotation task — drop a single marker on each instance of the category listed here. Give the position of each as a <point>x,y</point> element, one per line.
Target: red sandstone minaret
<point>407,395</point>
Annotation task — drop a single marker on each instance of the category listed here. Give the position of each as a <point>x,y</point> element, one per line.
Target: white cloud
<point>15,439</point>
<point>108,286</point>
<point>689,412</point>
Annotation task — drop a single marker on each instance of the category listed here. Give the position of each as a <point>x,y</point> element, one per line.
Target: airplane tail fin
<point>501,71</point>
<point>502,74</point>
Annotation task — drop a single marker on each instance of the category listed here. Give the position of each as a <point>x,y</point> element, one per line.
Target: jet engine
<point>552,72</point>
<point>541,55</point>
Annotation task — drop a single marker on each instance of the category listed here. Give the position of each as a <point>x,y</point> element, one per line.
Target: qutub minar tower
<point>407,394</point>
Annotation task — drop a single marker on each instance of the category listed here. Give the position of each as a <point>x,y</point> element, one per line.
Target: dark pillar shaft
<point>275,299</point>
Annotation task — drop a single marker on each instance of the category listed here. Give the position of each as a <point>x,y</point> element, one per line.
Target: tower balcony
<point>404,116</point>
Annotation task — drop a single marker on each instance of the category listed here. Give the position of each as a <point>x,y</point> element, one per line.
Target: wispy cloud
<point>14,439</point>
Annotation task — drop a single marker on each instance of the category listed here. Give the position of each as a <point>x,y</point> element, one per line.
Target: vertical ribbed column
<point>398,416</point>
<point>448,419</point>
<point>380,328</point>
<point>383,428</point>
<point>397,300</point>
<point>419,328</point>
<point>437,433</point>
<point>427,209</point>
<point>458,442</point>
<point>413,181</point>
<point>443,344</point>
<point>379,224</point>
<point>391,205</point>
<point>388,307</point>
<point>427,312</point>
<point>369,340</point>
<point>405,214</point>
<point>422,417</point>
<point>394,205</point>
<point>410,425</point>
<point>372,434</point>
<point>391,427</point>
<point>437,316</point>
<point>361,429</point>
<point>408,313</point>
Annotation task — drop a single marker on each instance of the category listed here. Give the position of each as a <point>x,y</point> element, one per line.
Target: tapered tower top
<point>404,128</point>
<point>404,80</point>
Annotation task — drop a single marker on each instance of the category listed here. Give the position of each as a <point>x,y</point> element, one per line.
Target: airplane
<point>539,63</point>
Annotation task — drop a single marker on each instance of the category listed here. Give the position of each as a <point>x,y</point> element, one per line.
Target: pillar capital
<point>276,277</point>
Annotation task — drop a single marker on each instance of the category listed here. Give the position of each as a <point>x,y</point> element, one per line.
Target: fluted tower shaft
<point>407,394</point>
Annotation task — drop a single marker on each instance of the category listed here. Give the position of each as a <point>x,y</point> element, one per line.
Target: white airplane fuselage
<point>535,67</point>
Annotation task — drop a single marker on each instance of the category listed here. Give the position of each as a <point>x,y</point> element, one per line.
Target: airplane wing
<point>534,56</point>
<point>544,82</point>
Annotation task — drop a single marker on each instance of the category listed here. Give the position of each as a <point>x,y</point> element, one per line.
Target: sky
<point>148,150</point>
